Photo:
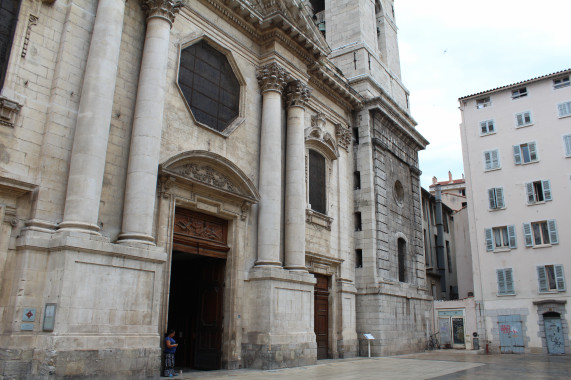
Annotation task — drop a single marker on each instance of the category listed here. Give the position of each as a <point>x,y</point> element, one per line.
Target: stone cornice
<point>272,77</point>
<point>165,9</point>
<point>297,94</point>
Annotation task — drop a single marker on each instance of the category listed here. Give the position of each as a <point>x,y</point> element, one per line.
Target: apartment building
<point>516,142</point>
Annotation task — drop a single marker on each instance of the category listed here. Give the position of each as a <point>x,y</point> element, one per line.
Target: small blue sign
<point>29,315</point>
<point>27,327</point>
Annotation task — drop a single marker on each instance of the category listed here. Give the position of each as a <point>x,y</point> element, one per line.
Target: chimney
<point>449,176</point>
<point>434,180</point>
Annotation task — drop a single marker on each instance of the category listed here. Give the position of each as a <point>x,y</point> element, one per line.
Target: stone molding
<point>316,136</point>
<point>318,219</point>
<point>272,77</point>
<point>297,94</point>
<point>344,136</point>
<point>8,111</point>
<point>166,9</point>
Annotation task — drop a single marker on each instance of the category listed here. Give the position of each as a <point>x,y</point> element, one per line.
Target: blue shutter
<point>487,160</point>
<point>509,281</point>
<point>501,281</point>
<point>511,236</point>
<point>542,279</point>
<point>495,159</point>
<point>492,198</point>
<point>567,141</point>
<point>559,277</point>
<point>552,227</point>
<point>500,197</point>
<point>530,193</point>
<point>546,190</point>
<point>533,151</point>
<point>527,235</point>
<point>489,239</point>
<point>517,155</point>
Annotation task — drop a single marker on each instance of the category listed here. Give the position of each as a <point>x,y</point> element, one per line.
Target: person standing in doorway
<point>170,349</point>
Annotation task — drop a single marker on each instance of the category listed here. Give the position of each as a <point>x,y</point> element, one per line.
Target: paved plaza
<point>441,364</point>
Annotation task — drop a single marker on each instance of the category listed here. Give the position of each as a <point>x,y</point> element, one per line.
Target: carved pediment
<point>317,137</point>
<point>207,175</point>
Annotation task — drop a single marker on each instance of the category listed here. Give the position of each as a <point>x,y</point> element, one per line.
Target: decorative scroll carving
<point>166,9</point>
<point>8,111</point>
<point>343,136</point>
<point>272,77</point>
<point>318,120</point>
<point>199,228</point>
<point>32,20</point>
<point>244,210</point>
<point>297,94</point>
<point>165,184</point>
<point>316,135</point>
<point>207,175</point>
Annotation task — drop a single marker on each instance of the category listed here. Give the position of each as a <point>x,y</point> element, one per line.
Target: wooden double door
<point>197,289</point>
<point>321,315</point>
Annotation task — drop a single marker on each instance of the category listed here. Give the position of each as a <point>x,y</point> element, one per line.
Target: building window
<point>9,10</point>
<point>448,257</point>
<point>357,180</point>
<point>561,82</point>
<point>401,259</point>
<point>487,127</point>
<point>551,278</point>
<point>317,186</point>
<point>209,85</point>
<point>445,222</point>
<point>492,159</point>
<point>483,102</point>
<point>505,281</point>
<point>523,119</point>
<point>356,135</point>
<point>567,142</point>
<point>540,233</point>
<point>538,191</point>
<point>358,222</point>
<point>358,258</point>
<point>525,153</point>
<point>499,238</point>
<point>496,198</point>
<point>564,109</point>
<point>426,249</point>
<point>519,93</point>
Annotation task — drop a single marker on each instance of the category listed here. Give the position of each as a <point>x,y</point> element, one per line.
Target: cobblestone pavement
<point>440,364</point>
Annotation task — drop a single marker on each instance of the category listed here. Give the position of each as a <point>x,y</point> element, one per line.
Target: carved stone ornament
<point>244,210</point>
<point>8,111</point>
<point>297,94</point>
<point>318,120</point>
<point>343,136</point>
<point>207,175</point>
<point>272,77</point>
<point>166,9</point>
<point>165,184</point>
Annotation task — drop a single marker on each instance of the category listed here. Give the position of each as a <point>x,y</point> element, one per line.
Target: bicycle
<point>432,343</point>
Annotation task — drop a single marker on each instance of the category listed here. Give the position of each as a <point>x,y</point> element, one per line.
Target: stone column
<point>272,79</point>
<point>141,184</point>
<point>94,117</point>
<point>297,95</point>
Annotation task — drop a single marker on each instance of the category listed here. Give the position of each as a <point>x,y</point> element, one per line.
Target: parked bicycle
<point>432,343</point>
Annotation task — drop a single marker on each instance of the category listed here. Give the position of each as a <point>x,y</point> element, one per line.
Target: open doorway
<point>196,295</point>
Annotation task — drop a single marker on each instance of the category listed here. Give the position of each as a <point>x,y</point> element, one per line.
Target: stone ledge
<point>260,273</point>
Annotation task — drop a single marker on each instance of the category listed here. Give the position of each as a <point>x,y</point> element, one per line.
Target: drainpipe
<point>440,238</point>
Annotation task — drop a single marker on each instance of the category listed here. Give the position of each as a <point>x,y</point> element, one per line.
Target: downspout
<point>440,239</point>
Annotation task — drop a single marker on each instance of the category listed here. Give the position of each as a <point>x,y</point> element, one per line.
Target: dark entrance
<point>197,289</point>
<point>321,315</point>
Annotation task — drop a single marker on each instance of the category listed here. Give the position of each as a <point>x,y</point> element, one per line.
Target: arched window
<point>317,184</point>
<point>8,17</point>
<point>401,259</point>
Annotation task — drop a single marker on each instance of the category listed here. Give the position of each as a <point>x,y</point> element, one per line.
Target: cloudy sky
<point>453,48</point>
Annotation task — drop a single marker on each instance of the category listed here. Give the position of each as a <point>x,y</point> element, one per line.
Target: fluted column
<point>93,120</point>
<point>141,182</point>
<point>272,79</point>
<point>297,95</point>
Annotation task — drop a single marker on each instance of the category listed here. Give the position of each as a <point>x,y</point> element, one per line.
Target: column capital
<point>166,9</point>
<point>297,94</point>
<point>272,77</point>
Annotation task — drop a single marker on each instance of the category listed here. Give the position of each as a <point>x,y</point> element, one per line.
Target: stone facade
<point>105,152</point>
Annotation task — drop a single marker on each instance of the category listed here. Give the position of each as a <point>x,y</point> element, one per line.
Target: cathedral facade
<point>245,172</point>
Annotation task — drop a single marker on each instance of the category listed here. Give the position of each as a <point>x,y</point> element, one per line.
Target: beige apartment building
<point>245,172</point>
<point>516,143</point>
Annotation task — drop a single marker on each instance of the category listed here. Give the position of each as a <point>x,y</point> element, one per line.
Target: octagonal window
<point>209,85</point>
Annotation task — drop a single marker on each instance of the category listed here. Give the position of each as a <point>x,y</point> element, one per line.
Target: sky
<point>453,48</point>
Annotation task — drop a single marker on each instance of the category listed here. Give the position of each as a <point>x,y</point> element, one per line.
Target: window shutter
<point>519,118</point>
<point>489,239</point>
<point>552,227</point>
<point>491,126</point>
<point>546,190</point>
<point>509,281</point>
<point>527,234</point>
<point>492,198</point>
<point>542,279</point>
<point>511,236</point>
<point>488,160</point>
<point>532,151</point>
<point>517,154</point>
<point>530,195</point>
<point>495,159</point>
<point>559,277</point>
<point>567,140</point>
<point>483,128</point>
<point>500,197</point>
<point>564,109</point>
<point>501,281</point>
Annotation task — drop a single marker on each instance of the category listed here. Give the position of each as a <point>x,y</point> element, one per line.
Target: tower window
<point>401,259</point>
<point>317,182</point>
<point>9,10</point>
